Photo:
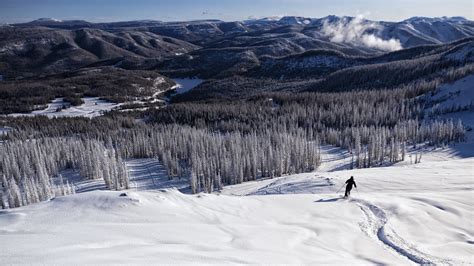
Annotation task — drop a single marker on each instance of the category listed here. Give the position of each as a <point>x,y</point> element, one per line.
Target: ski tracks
<point>375,227</point>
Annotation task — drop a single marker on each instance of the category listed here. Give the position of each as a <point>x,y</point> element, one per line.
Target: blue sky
<point>171,10</point>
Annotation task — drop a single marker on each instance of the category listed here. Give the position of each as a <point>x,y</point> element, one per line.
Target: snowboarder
<point>349,183</point>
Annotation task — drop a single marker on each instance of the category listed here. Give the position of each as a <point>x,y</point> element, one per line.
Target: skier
<point>349,183</point>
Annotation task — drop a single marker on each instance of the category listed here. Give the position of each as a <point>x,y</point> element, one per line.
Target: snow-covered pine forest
<point>29,166</point>
<point>214,144</point>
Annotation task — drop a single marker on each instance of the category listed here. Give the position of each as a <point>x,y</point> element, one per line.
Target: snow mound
<point>170,227</point>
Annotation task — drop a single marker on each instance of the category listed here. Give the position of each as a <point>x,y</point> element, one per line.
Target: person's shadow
<point>329,200</point>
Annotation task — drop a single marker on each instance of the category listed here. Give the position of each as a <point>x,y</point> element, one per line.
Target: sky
<point>13,11</point>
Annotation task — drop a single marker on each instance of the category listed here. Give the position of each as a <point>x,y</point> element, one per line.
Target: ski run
<point>296,219</point>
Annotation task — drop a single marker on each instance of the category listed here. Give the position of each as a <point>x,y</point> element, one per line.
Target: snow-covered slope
<point>408,213</point>
<point>454,101</point>
<point>40,20</point>
<point>398,215</point>
<point>411,32</point>
<point>459,94</point>
<point>432,30</point>
<point>408,33</point>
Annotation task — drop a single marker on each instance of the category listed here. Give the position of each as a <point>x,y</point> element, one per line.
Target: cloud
<point>356,31</point>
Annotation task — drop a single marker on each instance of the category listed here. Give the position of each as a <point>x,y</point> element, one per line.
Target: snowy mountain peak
<point>292,20</point>
<point>435,19</point>
<point>272,18</point>
<point>262,20</point>
<point>47,20</point>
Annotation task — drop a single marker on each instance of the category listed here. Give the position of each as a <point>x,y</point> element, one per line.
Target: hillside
<point>28,51</point>
<point>387,220</point>
<point>111,83</point>
<point>199,47</point>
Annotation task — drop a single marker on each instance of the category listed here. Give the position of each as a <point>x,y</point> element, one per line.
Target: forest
<point>226,131</point>
<point>222,143</point>
<point>113,84</point>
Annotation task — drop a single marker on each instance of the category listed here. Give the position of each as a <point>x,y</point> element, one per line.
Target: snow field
<point>459,93</point>
<point>92,107</point>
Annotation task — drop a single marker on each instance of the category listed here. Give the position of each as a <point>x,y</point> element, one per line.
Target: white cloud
<point>356,31</point>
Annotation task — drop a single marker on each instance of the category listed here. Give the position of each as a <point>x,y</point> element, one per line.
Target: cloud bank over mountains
<point>357,30</point>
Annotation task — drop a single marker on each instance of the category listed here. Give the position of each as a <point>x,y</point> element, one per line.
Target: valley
<point>215,141</point>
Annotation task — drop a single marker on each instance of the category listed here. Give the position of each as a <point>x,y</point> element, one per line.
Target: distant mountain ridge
<point>215,48</point>
<point>411,32</point>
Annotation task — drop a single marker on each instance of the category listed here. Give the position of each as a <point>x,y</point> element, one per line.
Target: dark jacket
<point>349,183</point>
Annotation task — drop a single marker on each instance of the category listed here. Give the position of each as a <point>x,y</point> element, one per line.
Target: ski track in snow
<point>376,227</point>
<point>288,185</point>
<point>304,225</point>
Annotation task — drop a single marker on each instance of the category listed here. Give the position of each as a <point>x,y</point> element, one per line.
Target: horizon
<point>20,11</point>
<point>216,19</point>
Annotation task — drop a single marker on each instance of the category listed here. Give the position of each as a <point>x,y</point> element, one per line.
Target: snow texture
<point>459,93</point>
<point>398,215</point>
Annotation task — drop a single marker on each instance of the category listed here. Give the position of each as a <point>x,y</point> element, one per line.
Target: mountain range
<point>119,61</point>
<point>210,48</point>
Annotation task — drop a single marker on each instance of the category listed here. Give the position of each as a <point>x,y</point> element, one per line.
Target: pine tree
<point>14,194</point>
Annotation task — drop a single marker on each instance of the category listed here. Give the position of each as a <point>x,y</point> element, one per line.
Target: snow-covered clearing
<point>459,93</point>
<point>80,185</point>
<point>149,174</point>
<point>4,130</point>
<point>186,84</point>
<point>92,107</point>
